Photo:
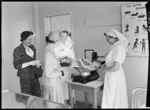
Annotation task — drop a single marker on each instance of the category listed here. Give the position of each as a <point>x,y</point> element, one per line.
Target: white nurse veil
<point>122,39</point>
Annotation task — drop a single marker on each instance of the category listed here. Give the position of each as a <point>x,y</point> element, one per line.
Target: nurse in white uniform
<point>115,92</point>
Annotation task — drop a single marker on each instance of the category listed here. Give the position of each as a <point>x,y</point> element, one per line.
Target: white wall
<point>16,17</point>
<point>19,16</point>
<point>136,69</point>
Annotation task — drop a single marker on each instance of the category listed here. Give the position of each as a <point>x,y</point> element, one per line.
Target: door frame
<point>47,21</point>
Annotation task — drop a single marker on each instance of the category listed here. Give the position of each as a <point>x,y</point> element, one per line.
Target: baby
<point>85,65</point>
<point>96,64</point>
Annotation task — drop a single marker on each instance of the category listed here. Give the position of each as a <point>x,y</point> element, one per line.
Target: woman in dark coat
<point>29,69</point>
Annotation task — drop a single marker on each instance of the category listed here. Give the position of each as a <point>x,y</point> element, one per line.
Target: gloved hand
<point>31,63</point>
<point>38,65</point>
<point>34,63</point>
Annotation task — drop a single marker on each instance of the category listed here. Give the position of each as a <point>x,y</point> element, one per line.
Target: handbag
<point>38,72</point>
<point>93,76</point>
<point>64,64</point>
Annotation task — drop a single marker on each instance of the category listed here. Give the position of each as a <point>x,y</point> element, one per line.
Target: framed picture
<point>134,27</point>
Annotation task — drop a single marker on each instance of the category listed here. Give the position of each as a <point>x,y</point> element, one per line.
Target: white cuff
<point>25,65</point>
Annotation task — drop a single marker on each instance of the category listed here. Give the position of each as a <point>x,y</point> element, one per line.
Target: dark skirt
<point>30,86</point>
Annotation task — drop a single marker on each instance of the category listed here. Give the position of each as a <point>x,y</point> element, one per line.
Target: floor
<point>81,105</point>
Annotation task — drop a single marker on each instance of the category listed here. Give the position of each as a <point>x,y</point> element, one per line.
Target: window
<point>58,22</point>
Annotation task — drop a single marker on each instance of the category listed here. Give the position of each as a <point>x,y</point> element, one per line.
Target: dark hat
<point>25,35</point>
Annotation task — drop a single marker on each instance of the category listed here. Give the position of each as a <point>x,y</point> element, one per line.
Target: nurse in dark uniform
<point>29,69</point>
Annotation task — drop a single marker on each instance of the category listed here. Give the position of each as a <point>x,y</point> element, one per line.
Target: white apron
<point>115,92</point>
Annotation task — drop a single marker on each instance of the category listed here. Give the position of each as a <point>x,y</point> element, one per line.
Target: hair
<point>48,41</point>
<point>116,38</point>
<point>70,34</point>
<point>65,31</point>
<point>112,36</point>
<point>105,34</point>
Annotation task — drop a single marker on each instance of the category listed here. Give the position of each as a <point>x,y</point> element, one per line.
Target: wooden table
<point>91,87</point>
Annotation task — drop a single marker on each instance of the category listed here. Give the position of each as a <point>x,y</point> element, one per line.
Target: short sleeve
<point>119,54</point>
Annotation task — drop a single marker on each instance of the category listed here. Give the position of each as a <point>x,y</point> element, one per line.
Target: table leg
<point>74,100</point>
<point>94,98</point>
<point>86,99</point>
<point>70,95</point>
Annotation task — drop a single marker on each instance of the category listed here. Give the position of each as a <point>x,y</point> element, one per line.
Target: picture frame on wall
<point>134,27</point>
